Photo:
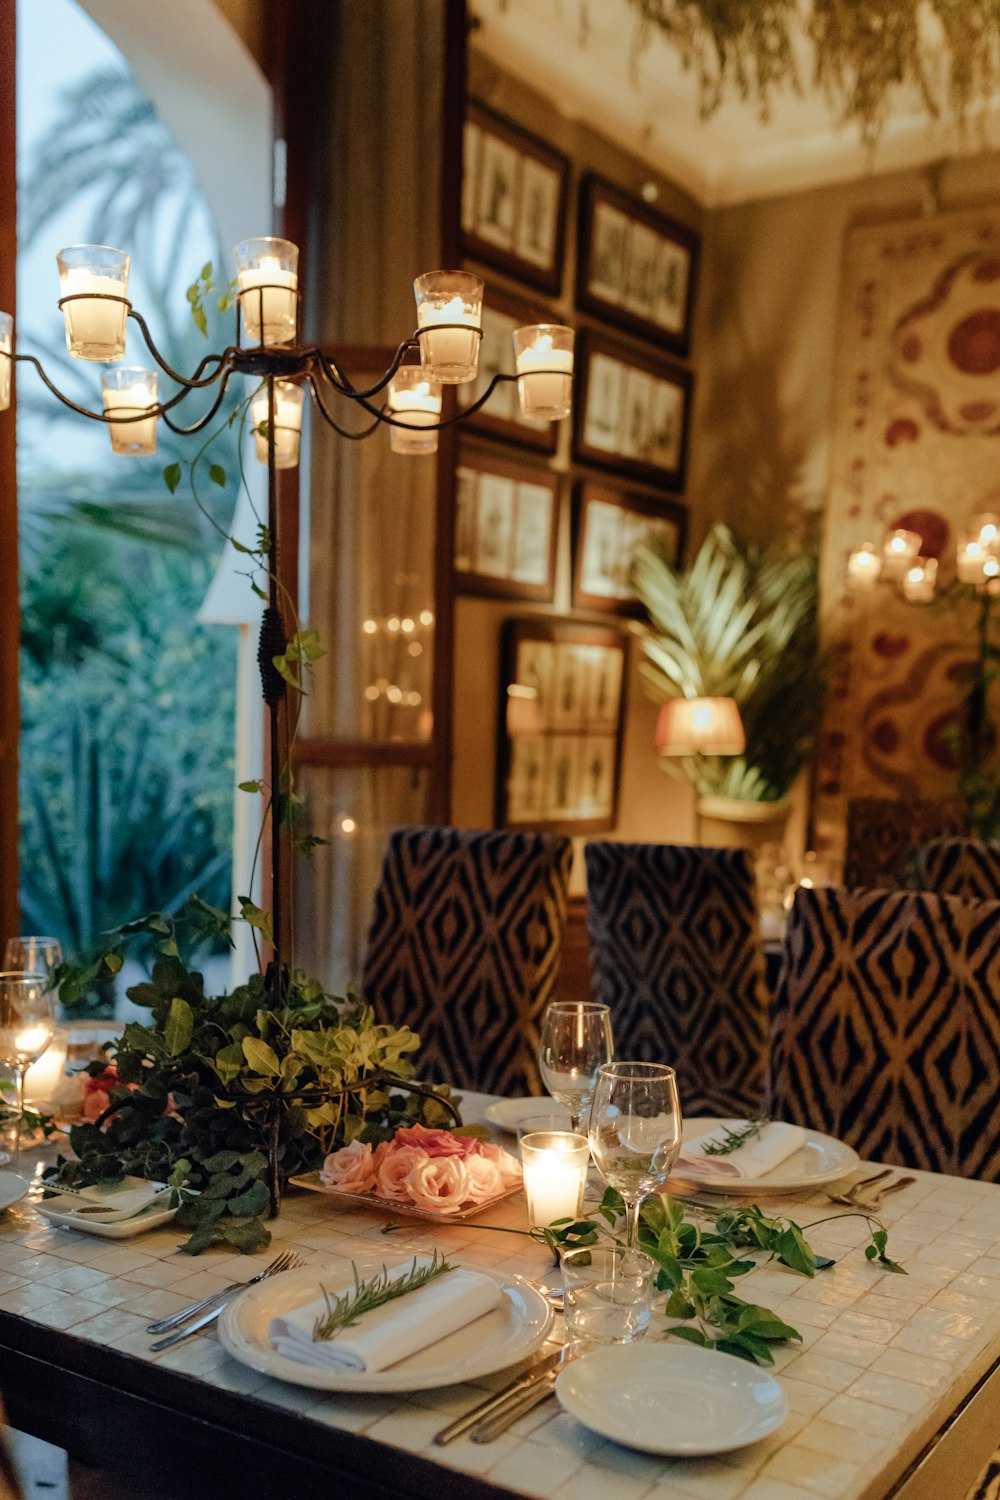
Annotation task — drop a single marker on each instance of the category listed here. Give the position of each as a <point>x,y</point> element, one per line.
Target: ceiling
<point>583,54</point>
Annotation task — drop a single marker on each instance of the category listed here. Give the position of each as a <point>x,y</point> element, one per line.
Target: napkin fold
<point>775,1143</point>
<point>391,1332</point>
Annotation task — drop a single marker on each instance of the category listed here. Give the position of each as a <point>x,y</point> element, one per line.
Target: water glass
<point>27,1026</point>
<point>608,1293</point>
<point>635,1131</point>
<point>575,1041</point>
<point>33,955</point>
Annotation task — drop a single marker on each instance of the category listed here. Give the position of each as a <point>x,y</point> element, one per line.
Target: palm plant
<point>744,624</point>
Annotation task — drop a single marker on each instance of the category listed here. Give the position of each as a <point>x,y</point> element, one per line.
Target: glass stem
<point>19,1105</point>
<point>632,1222</point>
<point>574,1122</point>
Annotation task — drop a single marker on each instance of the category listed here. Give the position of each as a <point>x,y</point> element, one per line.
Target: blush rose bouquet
<point>438,1170</point>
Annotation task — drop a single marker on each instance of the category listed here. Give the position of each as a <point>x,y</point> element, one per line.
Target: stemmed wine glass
<point>575,1042</point>
<point>33,955</point>
<point>27,1026</point>
<point>635,1131</point>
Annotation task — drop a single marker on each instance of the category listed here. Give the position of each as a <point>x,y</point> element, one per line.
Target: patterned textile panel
<point>676,953</point>
<point>960,867</point>
<point>882,835</point>
<point>987,1486</point>
<point>464,948</point>
<point>886,1026</point>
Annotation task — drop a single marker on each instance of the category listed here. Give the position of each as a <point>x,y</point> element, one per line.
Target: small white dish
<point>507,1114</point>
<point>672,1398</point>
<point>819,1160</point>
<point>12,1189</point>
<point>63,1210</point>
<point>493,1342</point>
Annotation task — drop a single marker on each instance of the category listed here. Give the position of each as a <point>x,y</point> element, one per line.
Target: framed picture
<point>637,268</point>
<point>609,525</point>
<point>562,703</point>
<point>506,527</point>
<point>631,411</point>
<point>501,417</point>
<point>514,189</point>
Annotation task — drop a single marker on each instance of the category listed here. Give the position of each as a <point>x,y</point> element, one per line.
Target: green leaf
<point>247,1235</point>
<point>206,270</point>
<point>113,962</point>
<point>251,786</point>
<point>255,916</point>
<point>200,321</point>
<point>260,1057</point>
<point>693,1336</point>
<point>710,1283</point>
<point>172,476</point>
<point>678,1306</point>
<point>217,475</point>
<point>793,1251</point>
<point>179,1027</point>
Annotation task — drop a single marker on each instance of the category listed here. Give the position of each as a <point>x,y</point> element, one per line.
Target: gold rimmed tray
<point>313,1183</point>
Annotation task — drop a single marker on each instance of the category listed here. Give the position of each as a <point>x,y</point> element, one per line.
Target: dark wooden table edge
<point>119,1413</point>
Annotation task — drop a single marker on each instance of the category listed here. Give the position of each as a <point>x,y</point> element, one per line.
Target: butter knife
<point>491,1426</point>
<point>524,1383</point>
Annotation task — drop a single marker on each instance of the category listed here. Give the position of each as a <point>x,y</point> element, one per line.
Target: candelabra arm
<point>467,411</point>
<point>189,382</point>
<point>202,421</point>
<point>343,383</point>
<point>330,421</point>
<point>107,418</point>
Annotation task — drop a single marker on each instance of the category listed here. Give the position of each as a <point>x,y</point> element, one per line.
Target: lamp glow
<point>700,726</point>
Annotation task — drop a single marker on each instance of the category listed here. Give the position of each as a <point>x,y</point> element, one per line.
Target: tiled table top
<point>884,1359</point>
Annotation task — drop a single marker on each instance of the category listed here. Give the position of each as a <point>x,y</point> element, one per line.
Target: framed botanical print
<point>501,416</point>
<point>562,704</point>
<point>637,268</point>
<point>609,524</point>
<point>632,412</point>
<point>514,189</point>
<point>506,526</point>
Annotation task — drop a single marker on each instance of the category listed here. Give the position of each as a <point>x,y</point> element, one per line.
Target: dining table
<point>894,1389</point>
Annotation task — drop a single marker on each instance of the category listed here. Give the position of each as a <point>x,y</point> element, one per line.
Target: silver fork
<point>857,1195</point>
<point>286,1261</point>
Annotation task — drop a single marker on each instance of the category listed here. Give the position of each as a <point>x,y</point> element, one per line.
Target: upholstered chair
<point>675,952</point>
<point>959,867</point>
<point>464,948</point>
<point>886,1026</point>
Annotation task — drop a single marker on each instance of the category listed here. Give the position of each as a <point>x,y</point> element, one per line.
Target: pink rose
<point>393,1164</point>
<point>95,1104</point>
<point>439,1183</point>
<point>351,1169</point>
<point>485,1181</point>
<point>508,1166</point>
<point>435,1142</point>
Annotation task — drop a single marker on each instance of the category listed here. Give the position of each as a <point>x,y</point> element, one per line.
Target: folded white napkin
<point>759,1155</point>
<point>391,1332</point>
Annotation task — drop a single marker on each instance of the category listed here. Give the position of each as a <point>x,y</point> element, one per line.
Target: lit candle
<point>919,579</point>
<point>971,558</point>
<point>864,565</point>
<point>44,1078</point>
<point>414,398</point>
<point>449,354</point>
<point>130,391</point>
<point>6,360</point>
<point>555,1172</point>
<point>95,328</point>
<point>287,424</point>
<point>545,348</point>
<point>899,551</point>
<point>33,1040</point>
<point>987,528</point>
<point>268,277</point>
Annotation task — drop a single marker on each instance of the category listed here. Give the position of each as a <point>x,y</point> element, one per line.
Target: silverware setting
<point>859,1196</point>
<point>211,1307</point>
<point>510,1402</point>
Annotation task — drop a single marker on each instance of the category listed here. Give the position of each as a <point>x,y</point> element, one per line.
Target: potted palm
<point>739,623</point>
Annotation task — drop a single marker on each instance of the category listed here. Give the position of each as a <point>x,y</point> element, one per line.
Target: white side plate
<point>62,1210</point>
<point>820,1159</point>
<point>507,1114</point>
<point>672,1398</point>
<point>12,1189</point>
<point>501,1338</point>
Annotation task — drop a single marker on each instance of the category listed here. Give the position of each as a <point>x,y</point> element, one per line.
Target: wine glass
<point>27,1026</point>
<point>635,1131</point>
<point>575,1041</point>
<point>33,955</point>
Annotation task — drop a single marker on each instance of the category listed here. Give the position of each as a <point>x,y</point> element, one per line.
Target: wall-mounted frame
<point>562,705</point>
<point>514,189</point>
<point>506,527</point>
<point>501,417</point>
<point>637,268</point>
<point>608,525</point>
<point>631,412</point>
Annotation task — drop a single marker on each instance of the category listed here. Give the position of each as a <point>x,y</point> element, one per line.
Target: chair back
<point>886,1026</point>
<point>676,953</point>
<point>464,948</point>
<point>959,867</point>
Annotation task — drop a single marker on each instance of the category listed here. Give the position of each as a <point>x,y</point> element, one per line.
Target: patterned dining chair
<point>676,953</point>
<point>464,948</point>
<point>959,867</point>
<point>886,1026</point>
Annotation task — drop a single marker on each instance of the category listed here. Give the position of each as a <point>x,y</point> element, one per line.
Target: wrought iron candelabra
<point>95,305</point>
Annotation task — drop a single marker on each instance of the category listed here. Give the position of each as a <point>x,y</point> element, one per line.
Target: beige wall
<point>246,17</point>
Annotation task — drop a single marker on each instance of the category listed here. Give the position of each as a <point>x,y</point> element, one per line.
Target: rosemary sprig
<point>732,1140</point>
<point>344,1311</point>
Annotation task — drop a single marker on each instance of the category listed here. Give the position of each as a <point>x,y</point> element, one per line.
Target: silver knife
<point>491,1426</point>
<point>195,1327</point>
<point>521,1385</point>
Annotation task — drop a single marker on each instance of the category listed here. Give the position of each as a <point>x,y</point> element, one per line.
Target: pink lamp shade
<point>700,726</point>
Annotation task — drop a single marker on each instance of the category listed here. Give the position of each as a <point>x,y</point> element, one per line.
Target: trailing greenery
<point>739,623</point>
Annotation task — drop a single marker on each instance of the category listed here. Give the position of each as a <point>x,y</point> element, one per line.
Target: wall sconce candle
<point>287,424</point>
<point>130,391</point>
<point>970,559</point>
<point>899,552</point>
<point>555,1173</point>
<point>414,398</point>
<point>919,580</point>
<point>864,565</point>
<point>95,327</point>
<point>544,358</point>
<point>6,363</point>
<point>267,272</point>
<point>449,354</point>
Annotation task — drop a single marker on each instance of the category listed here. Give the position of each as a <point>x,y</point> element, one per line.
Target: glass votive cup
<point>543,355</point>
<point>6,358</point>
<point>864,565</point>
<point>986,528</point>
<point>44,1078</point>
<point>267,275</point>
<point>556,1121</point>
<point>288,399</point>
<point>919,580</point>
<point>414,397</point>
<point>127,392</point>
<point>607,1293</point>
<point>93,290</point>
<point>554,1163</point>
<point>899,551</point>
<point>450,309</point>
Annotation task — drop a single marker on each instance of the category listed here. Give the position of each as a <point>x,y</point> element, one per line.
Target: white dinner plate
<point>502,1337</point>
<point>820,1159</point>
<point>672,1398</point>
<point>12,1189</point>
<point>61,1210</point>
<point>507,1114</point>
